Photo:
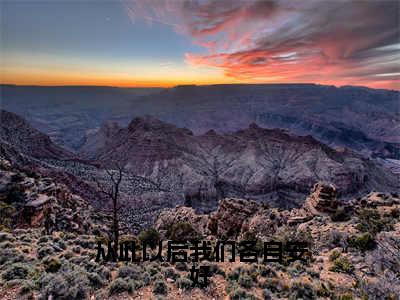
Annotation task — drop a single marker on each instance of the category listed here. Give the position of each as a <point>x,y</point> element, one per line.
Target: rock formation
<point>181,214</point>
<point>273,166</point>
<point>358,118</point>
<point>322,199</point>
<point>173,166</point>
<point>41,202</point>
<point>15,131</point>
<point>228,220</point>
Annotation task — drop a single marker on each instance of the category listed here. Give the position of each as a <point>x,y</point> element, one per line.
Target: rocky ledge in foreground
<point>354,244</point>
<point>353,254</point>
<point>29,200</point>
<point>235,217</point>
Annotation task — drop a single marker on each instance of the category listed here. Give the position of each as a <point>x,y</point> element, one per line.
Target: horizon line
<point>197,85</point>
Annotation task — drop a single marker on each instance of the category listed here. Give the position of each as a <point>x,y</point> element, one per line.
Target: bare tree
<point>112,191</point>
<point>121,184</point>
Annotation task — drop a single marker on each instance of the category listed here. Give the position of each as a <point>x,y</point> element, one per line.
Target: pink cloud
<point>335,42</point>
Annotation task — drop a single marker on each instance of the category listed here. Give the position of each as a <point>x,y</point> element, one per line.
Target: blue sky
<point>85,29</point>
<point>72,41</point>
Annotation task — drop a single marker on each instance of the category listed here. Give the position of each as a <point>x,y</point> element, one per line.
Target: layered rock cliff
<point>262,164</point>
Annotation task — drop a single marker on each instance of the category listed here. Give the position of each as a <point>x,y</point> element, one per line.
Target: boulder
<point>169,217</point>
<point>227,221</point>
<point>41,200</point>
<point>265,222</point>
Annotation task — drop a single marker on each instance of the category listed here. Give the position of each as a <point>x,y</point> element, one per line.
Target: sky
<point>167,43</point>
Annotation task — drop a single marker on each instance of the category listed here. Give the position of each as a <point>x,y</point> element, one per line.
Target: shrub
<point>25,250</point>
<point>153,269</point>
<point>245,281</point>
<point>293,271</point>
<point>165,264</point>
<point>70,236</point>
<point>90,266</point>
<point>5,228</point>
<point>95,280</point>
<point>213,226</point>
<point>334,255</point>
<point>286,234</point>
<point>61,245</point>
<point>118,286</point>
<point>27,286</point>
<point>342,265</point>
<point>52,265</point>
<point>323,291</point>
<point>182,231</point>
<point>7,212</point>
<point>26,238</point>
<point>157,276</point>
<point>337,239</point>
<point>43,239</point>
<point>273,284</point>
<point>266,271</point>
<point>340,215</point>
<point>16,271</point>
<point>131,272</point>
<point>346,297</point>
<point>9,256</point>
<point>170,273</point>
<point>235,274</point>
<point>160,287</point>
<point>67,255</point>
<point>395,213</point>
<point>135,284</point>
<point>104,272</point>
<point>231,286</point>
<point>85,242</point>
<point>371,221</point>
<point>138,283</point>
<point>70,283</point>
<point>267,295</point>
<point>313,273</point>
<point>215,269</point>
<point>6,245</point>
<point>181,266</point>
<point>146,278</point>
<point>76,249</point>
<point>300,290</point>
<point>363,242</point>
<point>4,236</point>
<point>184,283</point>
<point>240,294</point>
<point>299,266</point>
<point>78,260</point>
<point>253,271</point>
<point>45,251</point>
<point>150,236</point>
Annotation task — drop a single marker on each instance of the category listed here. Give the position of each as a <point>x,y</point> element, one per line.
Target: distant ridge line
<point>183,86</point>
